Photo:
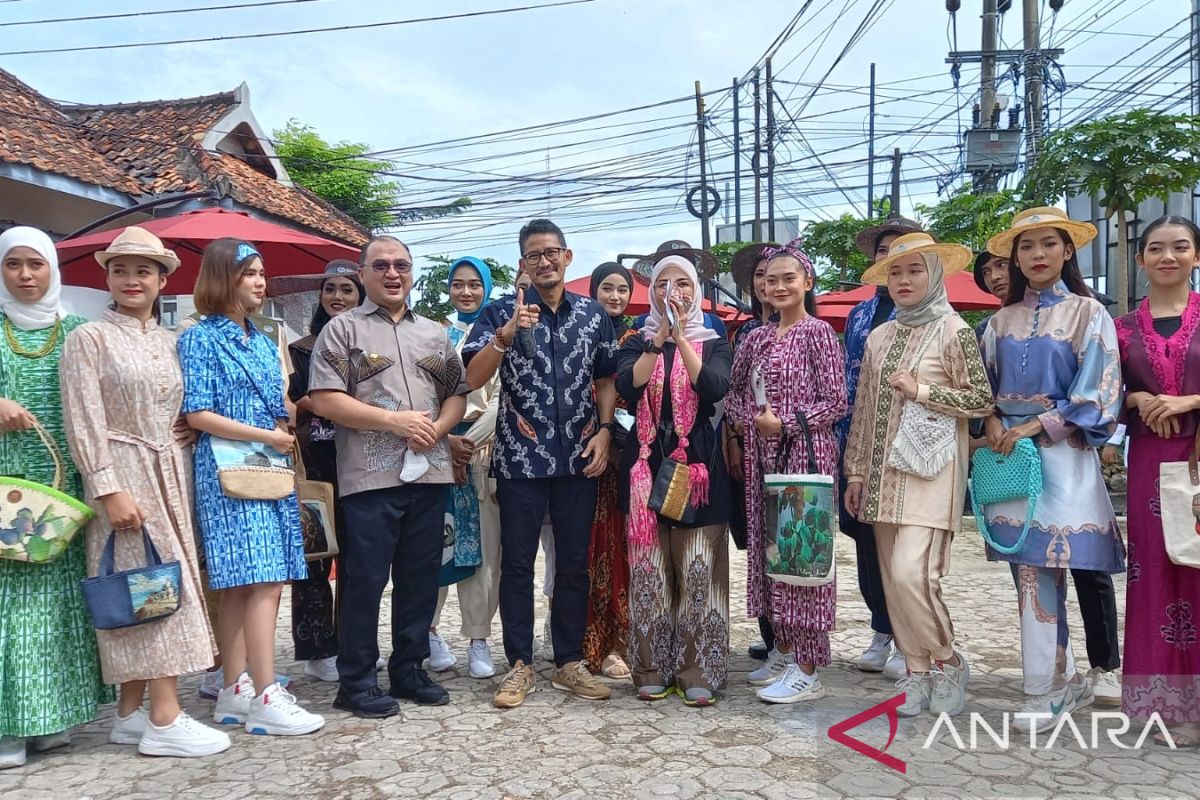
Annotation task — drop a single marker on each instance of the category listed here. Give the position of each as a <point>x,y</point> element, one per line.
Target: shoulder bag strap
<point>233,357</point>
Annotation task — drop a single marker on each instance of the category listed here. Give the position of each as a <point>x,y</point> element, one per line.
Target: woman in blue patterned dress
<point>232,391</point>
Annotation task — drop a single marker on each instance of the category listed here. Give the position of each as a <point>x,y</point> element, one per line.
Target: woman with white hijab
<point>49,668</point>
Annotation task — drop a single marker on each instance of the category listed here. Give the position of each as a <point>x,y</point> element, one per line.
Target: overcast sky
<point>411,85</point>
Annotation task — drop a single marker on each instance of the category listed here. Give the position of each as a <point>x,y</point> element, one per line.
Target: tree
<point>434,280</point>
<point>1123,160</point>
<point>830,244</point>
<point>343,176</point>
<point>971,219</point>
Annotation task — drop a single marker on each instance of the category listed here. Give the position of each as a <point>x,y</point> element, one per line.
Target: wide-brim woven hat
<point>705,262</point>
<point>1042,217</point>
<point>955,257</point>
<point>135,241</point>
<point>292,284</point>
<point>744,262</point>
<point>865,241</point>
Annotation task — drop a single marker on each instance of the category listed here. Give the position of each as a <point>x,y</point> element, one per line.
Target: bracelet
<point>651,347</point>
<point>497,347</point>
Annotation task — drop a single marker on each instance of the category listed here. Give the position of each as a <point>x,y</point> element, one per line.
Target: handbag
<point>998,478</point>
<point>801,524</point>
<point>133,596</point>
<point>317,521</point>
<point>1179,501</point>
<point>671,495</point>
<point>925,441</point>
<point>39,522</point>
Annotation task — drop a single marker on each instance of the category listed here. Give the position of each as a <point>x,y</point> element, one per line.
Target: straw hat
<point>865,241</point>
<point>744,262</point>
<point>1042,217</point>
<point>311,282</point>
<point>135,241</point>
<point>955,257</point>
<point>705,262</point>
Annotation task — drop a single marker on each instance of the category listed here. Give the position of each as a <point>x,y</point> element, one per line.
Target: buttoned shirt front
<point>405,365</point>
<point>547,408</point>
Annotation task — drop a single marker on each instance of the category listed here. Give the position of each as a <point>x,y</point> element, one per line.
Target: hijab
<point>598,275</point>
<point>485,276</point>
<point>934,305</point>
<point>694,329</point>
<point>43,313</point>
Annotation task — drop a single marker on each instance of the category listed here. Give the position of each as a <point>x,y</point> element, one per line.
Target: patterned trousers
<point>679,609</point>
<point>1046,655</point>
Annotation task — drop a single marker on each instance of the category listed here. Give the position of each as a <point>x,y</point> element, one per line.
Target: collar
<point>1051,295</point>
<point>230,329</point>
<point>370,308</point>
<point>569,299</point>
<point>126,321</point>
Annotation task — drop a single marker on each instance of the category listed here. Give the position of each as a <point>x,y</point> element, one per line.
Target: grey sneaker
<point>917,688</point>
<point>950,687</point>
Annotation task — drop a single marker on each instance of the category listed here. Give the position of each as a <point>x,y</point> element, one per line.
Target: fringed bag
<point>926,440</point>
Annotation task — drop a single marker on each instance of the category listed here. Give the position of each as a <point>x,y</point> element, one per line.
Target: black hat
<point>866,239</point>
<point>744,262</point>
<point>705,262</point>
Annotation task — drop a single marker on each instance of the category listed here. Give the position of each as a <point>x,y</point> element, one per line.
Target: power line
<point>153,13</point>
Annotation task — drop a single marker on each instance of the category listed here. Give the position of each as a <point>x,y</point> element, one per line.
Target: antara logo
<point>839,735</point>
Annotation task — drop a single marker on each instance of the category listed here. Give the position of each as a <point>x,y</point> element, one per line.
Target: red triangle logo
<point>838,733</point>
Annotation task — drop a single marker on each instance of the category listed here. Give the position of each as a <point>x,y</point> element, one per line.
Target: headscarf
<point>42,314</point>
<point>485,276</point>
<point>694,329</point>
<point>934,305</point>
<point>598,276</point>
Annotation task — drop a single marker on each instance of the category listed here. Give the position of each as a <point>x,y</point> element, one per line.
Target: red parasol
<point>960,288</point>
<point>285,251</point>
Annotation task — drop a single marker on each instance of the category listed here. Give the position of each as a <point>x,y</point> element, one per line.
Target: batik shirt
<point>547,410</point>
<point>858,328</point>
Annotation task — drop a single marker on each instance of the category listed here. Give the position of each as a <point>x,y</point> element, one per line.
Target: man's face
<point>387,274</point>
<point>995,276</point>
<point>545,260</point>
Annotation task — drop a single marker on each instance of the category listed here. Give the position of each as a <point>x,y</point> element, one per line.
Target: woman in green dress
<point>49,668</point>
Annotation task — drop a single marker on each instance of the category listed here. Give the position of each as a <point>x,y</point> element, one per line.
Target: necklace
<point>17,347</point>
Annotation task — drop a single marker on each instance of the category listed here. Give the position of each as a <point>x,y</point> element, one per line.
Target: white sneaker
<point>183,738</point>
<point>479,657</point>
<point>547,640</point>
<point>950,687</point>
<point>275,712</point>
<point>876,656</point>
<point>440,657</point>
<point>129,730</point>
<point>793,686</point>
<point>233,703</point>
<point>1081,691</point>
<point>12,752</point>
<point>212,683</point>
<point>775,665</point>
<point>380,664</point>
<point>917,687</point>
<point>896,667</point>
<point>323,669</point>
<point>1106,687</point>
<point>1050,706</point>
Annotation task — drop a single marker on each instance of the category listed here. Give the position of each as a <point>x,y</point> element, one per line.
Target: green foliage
<point>432,282</point>
<point>724,254</point>
<point>830,244</point>
<point>804,544</point>
<point>971,219</point>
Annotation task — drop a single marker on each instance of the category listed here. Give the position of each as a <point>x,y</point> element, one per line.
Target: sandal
<point>699,698</point>
<point>651,693</point>
<point>1186,736</point>
<point>615,667</point>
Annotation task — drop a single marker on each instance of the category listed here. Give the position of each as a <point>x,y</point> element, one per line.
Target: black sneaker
<point>420,688</point>
<point>371,704</point>
<point>758,651</point>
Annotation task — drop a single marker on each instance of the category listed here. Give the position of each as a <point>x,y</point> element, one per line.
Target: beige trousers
<point>912,561</point>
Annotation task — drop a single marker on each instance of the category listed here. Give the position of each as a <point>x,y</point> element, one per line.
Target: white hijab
<point>694,330</point>
<point>39,315</point>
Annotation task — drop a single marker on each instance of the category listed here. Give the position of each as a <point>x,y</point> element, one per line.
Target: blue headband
<point>245,251</point>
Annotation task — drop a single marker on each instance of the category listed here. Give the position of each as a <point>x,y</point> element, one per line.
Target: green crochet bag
<point>997,478</point>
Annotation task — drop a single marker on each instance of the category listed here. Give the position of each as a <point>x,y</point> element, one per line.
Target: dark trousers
<point>397,531</point>
<point>523,504</point>
<point>870,579</point>
<point>1098,607</point>
<point>315,603</point>
<point>767,631</point>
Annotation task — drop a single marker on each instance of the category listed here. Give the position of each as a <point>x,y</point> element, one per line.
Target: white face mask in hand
<point>415,465</point>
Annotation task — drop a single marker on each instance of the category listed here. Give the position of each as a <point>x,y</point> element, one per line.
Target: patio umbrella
<point>285,251</point>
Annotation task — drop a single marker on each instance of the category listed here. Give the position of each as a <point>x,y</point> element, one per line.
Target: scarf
<point>485,275</point>
<point>43,313</point>
<point>685,406</point>
<point>620,325</point>
<point>934,305</point>
<point>694,330</point>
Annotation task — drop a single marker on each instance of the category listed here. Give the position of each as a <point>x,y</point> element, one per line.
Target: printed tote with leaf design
<point>38,522</point>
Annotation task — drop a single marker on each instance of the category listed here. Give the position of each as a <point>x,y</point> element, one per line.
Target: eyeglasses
<point>552,254</point>
<point>382,266</point>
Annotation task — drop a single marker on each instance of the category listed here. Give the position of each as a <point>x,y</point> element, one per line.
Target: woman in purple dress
<point>1160,359</point>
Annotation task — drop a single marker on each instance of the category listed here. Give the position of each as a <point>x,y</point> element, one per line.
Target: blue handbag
<point>133,596</point>
<point>998,478</point>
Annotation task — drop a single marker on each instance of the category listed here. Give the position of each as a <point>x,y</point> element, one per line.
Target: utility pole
<point>755,162</point>
<point>703,168</point>
<point>986,181</point>
<point>871,149</point>
<point>770,155</point>
<point>1196,58</point>
<point>737,163</point>
<point>1033,81</point>
<point>895,209</point>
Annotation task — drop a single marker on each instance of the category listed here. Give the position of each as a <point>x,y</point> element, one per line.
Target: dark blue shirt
<point>547,408</point>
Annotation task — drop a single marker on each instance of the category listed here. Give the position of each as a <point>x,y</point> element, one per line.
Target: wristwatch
<point>651,347</point>
<point>609,426</point>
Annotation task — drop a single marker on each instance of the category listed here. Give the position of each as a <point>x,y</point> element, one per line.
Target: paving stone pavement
<point>560,747</point>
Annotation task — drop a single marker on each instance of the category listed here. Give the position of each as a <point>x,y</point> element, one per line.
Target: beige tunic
<point>950,379</point>
<point>122,391</point>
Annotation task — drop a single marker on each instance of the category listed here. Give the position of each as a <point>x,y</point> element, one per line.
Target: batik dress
<point>225,368</point>
<point>803,371</point>
<point>462,550</point>
<point>49,667</point>
<point>1162,605</point>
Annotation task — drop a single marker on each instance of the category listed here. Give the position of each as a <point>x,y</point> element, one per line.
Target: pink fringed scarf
<point>685,405</point>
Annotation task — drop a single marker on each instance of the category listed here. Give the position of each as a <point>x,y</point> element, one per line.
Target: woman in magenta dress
<point>1160,359</point>
<point>801,365</point>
